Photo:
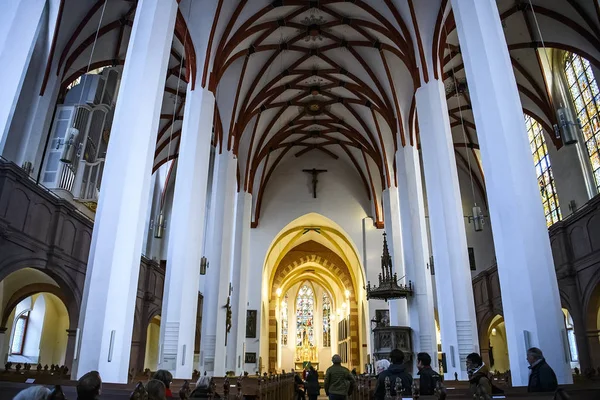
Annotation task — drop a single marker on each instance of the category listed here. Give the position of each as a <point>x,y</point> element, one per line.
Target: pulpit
<point>388,338</point>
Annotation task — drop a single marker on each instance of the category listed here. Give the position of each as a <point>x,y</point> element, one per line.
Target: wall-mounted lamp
<point>278,292</point>
<point>565,129</point>
<point>203,265</point>
<point>347,293</point>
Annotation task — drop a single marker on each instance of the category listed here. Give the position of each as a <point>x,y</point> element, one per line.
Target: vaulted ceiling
<point>333,77</point>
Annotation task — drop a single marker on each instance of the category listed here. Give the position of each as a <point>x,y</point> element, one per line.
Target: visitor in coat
<point>311,384</point>
<point>428,378</point>
<point>156,390</point>
<point>165,377</point>
<point>338,380</point>
<point>478,372</point>
<point>541,378</point>
<point>397,369</point>
<point>33,393</point>
<point>89,386</point>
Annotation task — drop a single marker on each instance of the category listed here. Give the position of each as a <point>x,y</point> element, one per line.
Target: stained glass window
<point>284,320</point>
<point>18,341</point>
<point>543,170</point>
<point>326,320</point>
<point>305,308</point>
<point>586,98</point>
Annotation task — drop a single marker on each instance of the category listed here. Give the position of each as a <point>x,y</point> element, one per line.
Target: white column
<point>19,27</point>
<point>456,306</point>
<point>530,296</point>
<point>393,230</point>
<point>186,234</point>
<point>416,251</point>
<point>106,320</point>
<point>239,279</point>
<point>220,257</point>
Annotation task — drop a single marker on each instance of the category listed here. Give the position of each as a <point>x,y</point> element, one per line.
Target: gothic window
<point>284,320</point>
<point>571,336</point>
<point>586,98</point>
<point>18,341</point>
<point>326,320</point>
<point>305,308</point>
<point>543,170</point>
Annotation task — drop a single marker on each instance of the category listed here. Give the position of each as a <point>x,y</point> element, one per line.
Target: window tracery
<point>326,320</point>
<point>543,170</point>
<point>18,341</point>
<point>284,320</point>
<point>305,307</point>
<point>586,99</point>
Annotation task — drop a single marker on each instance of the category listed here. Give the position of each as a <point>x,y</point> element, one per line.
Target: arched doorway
<point>312,287</point>
<point>152,344</point>
<point>593,325</point>
<point>498,345</point>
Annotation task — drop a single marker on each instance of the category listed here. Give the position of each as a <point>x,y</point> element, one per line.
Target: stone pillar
<point>393,230</point>
<point>456,306</point>
<point>416,251</point>
<point>3,346</point>
<point>107,311</point>
<point>239,299</point>
<point>530,297</point>
<point>19,28</point>
<point>186,234</point>
<point>71,339</point>
<point>219,273</point>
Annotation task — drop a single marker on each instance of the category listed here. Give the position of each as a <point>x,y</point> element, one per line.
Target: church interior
<point>246,188</point>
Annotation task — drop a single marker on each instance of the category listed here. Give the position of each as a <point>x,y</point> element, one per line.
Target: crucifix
<point>314,173</point>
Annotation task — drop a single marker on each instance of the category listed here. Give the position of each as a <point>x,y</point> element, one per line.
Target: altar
<point>306,354</point>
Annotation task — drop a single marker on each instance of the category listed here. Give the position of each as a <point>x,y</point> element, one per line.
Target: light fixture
<point>203,265</point>
<point>388,288</point>
<point>344,305</point>
<point>477,218</point>
<point>69,150</point>
<point>159,226</point>
<point>347,293</point>
<point>493,331</point>
<point>565,129</point>
<point>278,292</point>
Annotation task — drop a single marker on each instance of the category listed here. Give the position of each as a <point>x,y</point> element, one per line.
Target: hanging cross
<point>314,173</point>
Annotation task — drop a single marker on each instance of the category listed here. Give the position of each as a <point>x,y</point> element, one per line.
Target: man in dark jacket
<point>395,370</point>
<point>428,378</point>
<point>542,378</point>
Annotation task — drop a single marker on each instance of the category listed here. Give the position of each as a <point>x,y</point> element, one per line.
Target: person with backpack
<point>397,369</point>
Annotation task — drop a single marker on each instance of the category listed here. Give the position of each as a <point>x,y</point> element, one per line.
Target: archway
<point>152,344</point>
<point>37,315</point>
<point>313,252</point>
<point>570,329</point>
<point>593,325</point>
<point>498,345</point>
<point>36,330</point>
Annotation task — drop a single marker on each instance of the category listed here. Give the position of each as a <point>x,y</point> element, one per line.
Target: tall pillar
<point>220,255</point>
<point>239,278</point>
<point>530,297</point>
<point>186,235</point>
<point>456,306</point>
<point>393,230</point>
<point>106,318</point>
<point>19,27</point>
<point>416,251</point>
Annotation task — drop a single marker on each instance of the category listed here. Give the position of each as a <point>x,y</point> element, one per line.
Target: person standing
<point>428,378</point>
<point>167,378</point>
<point>338,380</point>
<point>396,370</point>
<point>542,378</point>
<point>298,386</point>
<point>311,384</point>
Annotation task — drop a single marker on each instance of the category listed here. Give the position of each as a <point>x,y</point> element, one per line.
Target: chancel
<point>229,187</point>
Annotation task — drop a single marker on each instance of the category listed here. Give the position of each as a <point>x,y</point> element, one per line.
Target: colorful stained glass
<point>305,308</point>
<point>326,320</point>
<point>584,91</point>
<point>543,169</point>
<point>284,320</point>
